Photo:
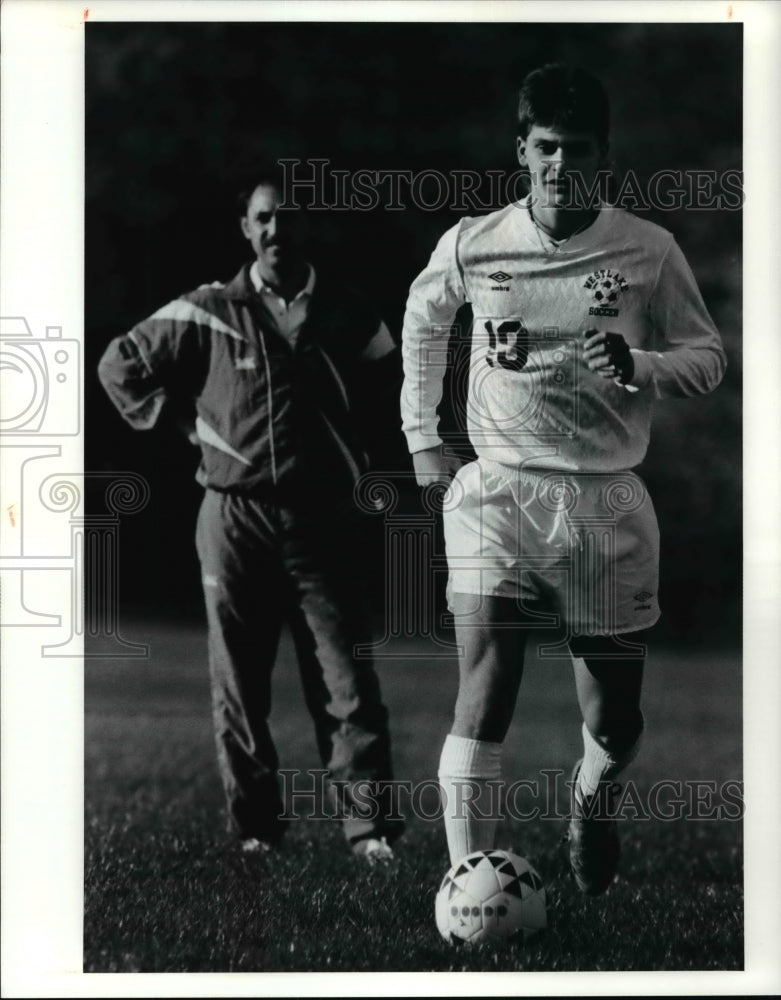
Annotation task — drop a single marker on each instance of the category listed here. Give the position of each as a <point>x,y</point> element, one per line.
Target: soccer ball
<point>490,895</point>
<point>607,291</point>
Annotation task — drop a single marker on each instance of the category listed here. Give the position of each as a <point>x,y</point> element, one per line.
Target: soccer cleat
<point>373,850</point>
<point>594,847</point>
<point>251,845</point>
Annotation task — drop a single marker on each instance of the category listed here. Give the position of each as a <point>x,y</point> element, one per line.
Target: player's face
<point>269,229</point>
<point>554,159</point>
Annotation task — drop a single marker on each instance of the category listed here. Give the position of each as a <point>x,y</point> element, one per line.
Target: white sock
<point>465,768</point>
<point>599,765</point>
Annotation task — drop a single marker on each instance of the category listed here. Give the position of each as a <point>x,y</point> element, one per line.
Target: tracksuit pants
<point>263,564</point>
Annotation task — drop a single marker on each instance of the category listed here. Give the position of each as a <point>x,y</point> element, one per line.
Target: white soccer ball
<point>490,895</point>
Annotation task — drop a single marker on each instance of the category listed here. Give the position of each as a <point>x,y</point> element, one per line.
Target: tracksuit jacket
<point>269,417</point>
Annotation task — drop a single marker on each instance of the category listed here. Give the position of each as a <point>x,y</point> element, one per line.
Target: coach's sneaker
<point>375,851</point>
<point>594,848</point>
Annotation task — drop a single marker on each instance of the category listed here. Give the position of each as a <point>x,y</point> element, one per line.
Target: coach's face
<point>269,229</point>
<point>563,165</point>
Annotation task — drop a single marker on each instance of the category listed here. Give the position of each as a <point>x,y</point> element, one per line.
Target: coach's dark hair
<point>265,175</point>
<point>562,96</point>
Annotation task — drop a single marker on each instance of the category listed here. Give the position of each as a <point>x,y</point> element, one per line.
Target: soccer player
<point>584,316</point>
<point>277,365</point>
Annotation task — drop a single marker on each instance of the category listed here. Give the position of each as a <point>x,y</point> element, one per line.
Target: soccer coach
<point>277,367</point>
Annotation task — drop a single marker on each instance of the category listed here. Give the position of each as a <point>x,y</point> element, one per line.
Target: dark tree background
<point>175,113</point>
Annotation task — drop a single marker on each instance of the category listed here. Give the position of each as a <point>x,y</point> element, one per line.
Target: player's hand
<point>434,466</point>
<point>608,355</point>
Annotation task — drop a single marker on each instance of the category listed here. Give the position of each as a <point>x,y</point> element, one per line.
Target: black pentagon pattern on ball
<point>527,878</point>
<point>531,879</point>
<point>451,885</point>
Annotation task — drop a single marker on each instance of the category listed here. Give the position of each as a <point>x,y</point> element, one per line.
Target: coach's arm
<point>157,366</point>
<point>376,394</point>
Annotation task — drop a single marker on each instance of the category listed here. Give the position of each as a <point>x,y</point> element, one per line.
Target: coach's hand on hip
<point>608,355</point>
<point>433,466</point>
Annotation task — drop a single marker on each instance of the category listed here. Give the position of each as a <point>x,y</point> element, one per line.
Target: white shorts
<point>582,548</point>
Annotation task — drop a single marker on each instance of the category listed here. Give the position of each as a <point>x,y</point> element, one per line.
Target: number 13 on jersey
<point>508,344</point>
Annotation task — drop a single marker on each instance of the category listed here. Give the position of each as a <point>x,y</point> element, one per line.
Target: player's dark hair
<point>560,96</point>
<point>265,175</point>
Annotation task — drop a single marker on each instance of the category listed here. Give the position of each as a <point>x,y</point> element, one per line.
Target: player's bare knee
<point>475,719</point>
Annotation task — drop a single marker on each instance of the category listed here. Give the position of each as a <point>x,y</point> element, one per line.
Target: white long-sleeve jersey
<point>532,400</point>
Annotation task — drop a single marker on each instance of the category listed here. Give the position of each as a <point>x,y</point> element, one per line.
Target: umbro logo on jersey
<point>245,364</point>
<point>643,596</point>
<point>499,277</point>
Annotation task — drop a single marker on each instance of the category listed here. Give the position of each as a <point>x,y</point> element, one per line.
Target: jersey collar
<point>575,242</point>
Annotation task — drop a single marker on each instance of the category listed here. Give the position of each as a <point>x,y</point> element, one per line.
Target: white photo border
<point>41,278</point>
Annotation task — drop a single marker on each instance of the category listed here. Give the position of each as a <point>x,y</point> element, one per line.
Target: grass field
<point>167,891</point>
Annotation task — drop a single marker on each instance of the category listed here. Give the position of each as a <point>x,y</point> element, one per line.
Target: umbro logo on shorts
<point>643,596</point>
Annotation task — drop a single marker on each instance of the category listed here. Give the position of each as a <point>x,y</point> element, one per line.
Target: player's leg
<point>342,692</point>
<point>487,539</point>
<point>612,599</point>
<point>608,678</point>
<point>241,584</point>
<point>491,635</point>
